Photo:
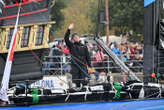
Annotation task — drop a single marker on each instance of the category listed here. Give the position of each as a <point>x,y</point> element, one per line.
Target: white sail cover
<point>1,1</point>
<point>7,71</point>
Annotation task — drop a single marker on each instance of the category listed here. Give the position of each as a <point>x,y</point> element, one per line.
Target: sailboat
<point>26,75</point>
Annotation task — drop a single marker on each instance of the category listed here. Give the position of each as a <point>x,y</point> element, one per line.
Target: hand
<point>91,70</point>
<point>71,26</point>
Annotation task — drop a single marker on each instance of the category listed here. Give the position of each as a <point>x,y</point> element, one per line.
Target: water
<point>156,104</point>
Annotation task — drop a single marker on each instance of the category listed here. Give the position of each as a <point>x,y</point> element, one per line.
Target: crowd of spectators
<point>130,53</point>
<point>128,50</point>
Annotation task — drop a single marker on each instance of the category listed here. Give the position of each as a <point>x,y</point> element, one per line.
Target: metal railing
<point>115,58</point>
<point>61,64</point>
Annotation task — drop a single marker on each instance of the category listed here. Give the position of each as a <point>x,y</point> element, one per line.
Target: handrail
<point>108,67</point>
<point>117,60</point>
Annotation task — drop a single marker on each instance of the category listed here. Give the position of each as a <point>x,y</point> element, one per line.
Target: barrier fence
<point>59,65</point>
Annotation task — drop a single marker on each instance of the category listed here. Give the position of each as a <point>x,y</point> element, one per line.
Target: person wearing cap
<point>80,57</point>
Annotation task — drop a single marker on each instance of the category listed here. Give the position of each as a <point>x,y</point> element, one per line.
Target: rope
<point>78,65</point>
<point>35,55</point>
<point>33,20</point>
<point>70,54</point>
<point>57,59</point>
<point>81,68</point>
<point>123,105</point>
<point>34,52</point>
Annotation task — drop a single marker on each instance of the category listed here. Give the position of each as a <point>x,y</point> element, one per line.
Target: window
<point>25,37</point>
<point>1,35</point>
<point>9,37</point>
<point>40,34</point>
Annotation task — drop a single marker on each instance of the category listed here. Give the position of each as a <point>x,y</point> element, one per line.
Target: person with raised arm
<point>80,57</point>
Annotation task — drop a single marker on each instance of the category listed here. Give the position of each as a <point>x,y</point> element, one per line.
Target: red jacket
<point>65,51</point>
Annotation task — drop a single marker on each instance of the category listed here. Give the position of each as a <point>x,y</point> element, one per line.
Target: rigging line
<point>35,55</point>
<point>78,67</point>
<point>4,12</point>
<point>76,58</point>
<point>81,68</point>
<point>47,41</point>
<point>33,20</point>
<point>34,23</point>
<point>77,63</point>
<point>56,74</point>
<point>36,7</point>
<point>7,71</point>
<point>41,16</point>
<point>59,77</point>
<point>44,38</point>
<point>53,33</point>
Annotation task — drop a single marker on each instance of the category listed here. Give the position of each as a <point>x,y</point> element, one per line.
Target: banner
<point>147,2</point>
<point>52,82</point>
<point>7,71</point>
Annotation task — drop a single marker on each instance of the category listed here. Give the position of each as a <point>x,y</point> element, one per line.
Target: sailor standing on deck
<point>80,58</point>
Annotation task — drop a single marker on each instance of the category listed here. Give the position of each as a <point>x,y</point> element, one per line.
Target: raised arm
<point>67,34</point>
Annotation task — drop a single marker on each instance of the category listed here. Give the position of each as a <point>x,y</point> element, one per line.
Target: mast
<point>107,21</point>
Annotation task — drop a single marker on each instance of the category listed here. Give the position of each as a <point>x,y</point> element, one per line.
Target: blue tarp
<point>120,105</point>
<point>147,2</point>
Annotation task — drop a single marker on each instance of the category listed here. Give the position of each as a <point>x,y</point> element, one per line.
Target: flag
<point>1,5</point>
<point>7,71</point>
<point>148,2</point>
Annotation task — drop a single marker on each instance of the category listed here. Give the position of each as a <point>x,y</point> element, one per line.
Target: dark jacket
<point>79,52</point>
